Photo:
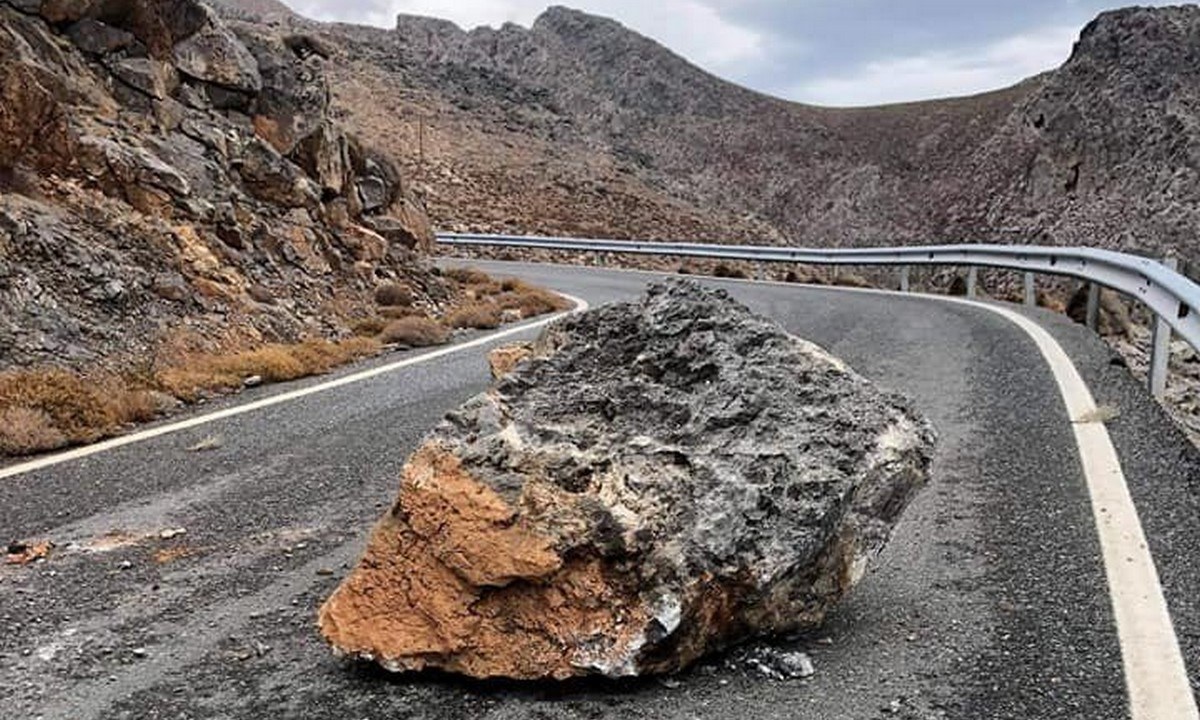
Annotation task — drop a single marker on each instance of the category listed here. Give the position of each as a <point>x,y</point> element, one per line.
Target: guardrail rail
<point>1173,298</point>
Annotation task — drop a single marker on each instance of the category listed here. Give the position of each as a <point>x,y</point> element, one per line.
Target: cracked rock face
<point>655,481</point>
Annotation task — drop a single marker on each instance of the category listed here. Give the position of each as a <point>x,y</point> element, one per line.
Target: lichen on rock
<point>657,480</point>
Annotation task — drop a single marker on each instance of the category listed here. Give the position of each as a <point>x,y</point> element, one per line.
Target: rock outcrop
<point>163,170</point>
<point>656,480</point>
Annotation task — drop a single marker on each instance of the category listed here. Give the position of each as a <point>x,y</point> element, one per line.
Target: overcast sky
<point>828,52</point>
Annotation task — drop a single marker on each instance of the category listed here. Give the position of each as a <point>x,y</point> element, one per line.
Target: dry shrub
<point>477,315</point>
<point>726,271</point>
<point>24,431</point>
<point>190,377</point>
<point>393,295</point>
<point>76,408</point>
<point>852,280</point>
<point>415,332</point>
<point>533,301</point>
<point>395,313</point>
<point>135,406</point>
<point>368,327</point>
<point>468,276</point>
<point>129,396</point>
<point>540,302</point>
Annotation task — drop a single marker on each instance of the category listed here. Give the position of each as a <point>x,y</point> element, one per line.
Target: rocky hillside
<point>579,125</point>
<point>168,176</point>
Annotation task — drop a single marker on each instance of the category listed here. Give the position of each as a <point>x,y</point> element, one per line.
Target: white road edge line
<point>123,440</point>
<point>1155,674</point>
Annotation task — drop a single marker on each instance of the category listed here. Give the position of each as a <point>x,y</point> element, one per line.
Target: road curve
<point>991,602</point>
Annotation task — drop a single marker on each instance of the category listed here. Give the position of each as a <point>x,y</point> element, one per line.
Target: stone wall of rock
<point>653,481</point>
<point>161,168</point>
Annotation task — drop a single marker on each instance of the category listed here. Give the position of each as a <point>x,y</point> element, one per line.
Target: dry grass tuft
<point>852,280</point>
<point>395,313</point>
<point>190,377</point>
<point>477,315</point>
<point>368,327</point>
<point>468,276</point>
<point>48,409</point>
<point>721,270</point>
<point>393,295</point>
<point>531,301</point>
<point>75,407</point>
<point>415,332</point>
<point>24,432</point>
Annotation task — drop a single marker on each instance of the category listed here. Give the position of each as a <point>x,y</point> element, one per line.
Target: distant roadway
<point>991,601</point>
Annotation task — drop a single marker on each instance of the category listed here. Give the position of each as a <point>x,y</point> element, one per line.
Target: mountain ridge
<point>578,125</point>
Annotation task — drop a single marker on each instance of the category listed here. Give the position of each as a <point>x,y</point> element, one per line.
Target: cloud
<point>943,73</point>
<point>696,29</point>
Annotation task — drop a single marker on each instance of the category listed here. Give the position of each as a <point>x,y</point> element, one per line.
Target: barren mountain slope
<point>579,125</point>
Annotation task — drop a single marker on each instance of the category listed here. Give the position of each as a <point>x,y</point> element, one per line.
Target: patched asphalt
<point>989,603</point>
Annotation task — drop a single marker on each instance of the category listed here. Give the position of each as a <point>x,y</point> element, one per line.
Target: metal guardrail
<point>1173,298</point>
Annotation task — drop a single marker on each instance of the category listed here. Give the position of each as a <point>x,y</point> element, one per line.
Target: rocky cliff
<point>579,125</point>
<point>164,172</point>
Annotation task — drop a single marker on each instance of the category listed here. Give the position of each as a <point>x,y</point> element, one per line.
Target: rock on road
<point>990,602</point>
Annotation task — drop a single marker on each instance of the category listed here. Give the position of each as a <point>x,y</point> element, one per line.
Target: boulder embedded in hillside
<point>291,105</point>
<point>214,55</point>
<point>97,38</point>
<point>399,233</point>
<point>658,480</point>
<point>272,178</point>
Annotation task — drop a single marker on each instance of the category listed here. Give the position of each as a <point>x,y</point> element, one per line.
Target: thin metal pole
<point>904,280</point>
<point>1030,289</point>
<point>1093,306</point>
<point>1160,348</point>
<point>972,281</point>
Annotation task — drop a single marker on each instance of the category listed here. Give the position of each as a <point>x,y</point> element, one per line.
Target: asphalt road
<point>990,602</point>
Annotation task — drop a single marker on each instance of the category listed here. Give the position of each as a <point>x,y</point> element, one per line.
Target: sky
<point>825,52</point>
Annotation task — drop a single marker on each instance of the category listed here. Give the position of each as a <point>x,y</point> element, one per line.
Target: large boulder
<point>658,479</point>
<point>214,55</point>
<point>294,98</point>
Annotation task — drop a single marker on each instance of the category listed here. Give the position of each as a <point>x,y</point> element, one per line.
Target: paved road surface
<point>990,603</point>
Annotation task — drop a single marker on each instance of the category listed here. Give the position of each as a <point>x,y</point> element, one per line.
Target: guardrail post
<point>1030,289</point>
<point>972,281</point>
<point>904,272</point>
<point>1093,306</point>
<point>1160,348</point>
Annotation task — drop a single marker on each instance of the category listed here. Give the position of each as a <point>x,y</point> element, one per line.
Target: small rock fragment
<point>212,442</point>
<point>24,553</point>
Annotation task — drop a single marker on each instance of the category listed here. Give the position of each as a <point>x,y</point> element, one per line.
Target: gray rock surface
<point>659,479</point>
